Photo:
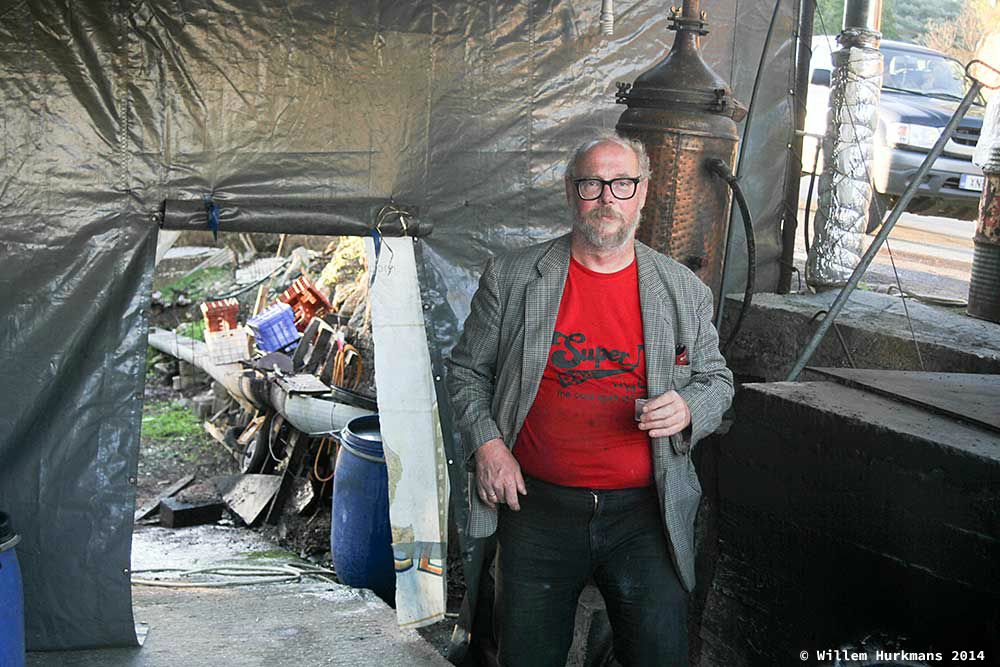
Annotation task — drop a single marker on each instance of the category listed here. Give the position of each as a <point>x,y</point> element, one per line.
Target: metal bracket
<point>680,22</point>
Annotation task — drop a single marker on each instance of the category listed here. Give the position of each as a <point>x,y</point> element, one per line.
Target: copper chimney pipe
<point>684,114</point>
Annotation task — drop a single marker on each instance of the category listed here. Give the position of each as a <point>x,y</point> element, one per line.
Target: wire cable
<point>243,575</point>
<point>319,452</point>
<point>247,288</point>
<point>345,355</point>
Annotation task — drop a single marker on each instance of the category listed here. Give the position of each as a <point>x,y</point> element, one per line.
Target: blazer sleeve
<point>472,366</point>
<point>710,391</point>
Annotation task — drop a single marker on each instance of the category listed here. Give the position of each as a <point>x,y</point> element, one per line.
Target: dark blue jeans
<point>561,538</point>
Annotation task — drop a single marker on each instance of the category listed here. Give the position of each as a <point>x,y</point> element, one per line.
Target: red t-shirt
<point>581,429</point>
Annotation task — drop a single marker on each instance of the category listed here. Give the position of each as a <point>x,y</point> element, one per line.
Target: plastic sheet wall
<point>466,110</point>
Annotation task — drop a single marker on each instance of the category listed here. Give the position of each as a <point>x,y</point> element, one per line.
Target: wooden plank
<point>320,351</point>
<point>299,445</point>
<point>251,495</point>
<point>264,291</point>
<point>220,438</point>
<point>173,489</point>
<point>251,430</point>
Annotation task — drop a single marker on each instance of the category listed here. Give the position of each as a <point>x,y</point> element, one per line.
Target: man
<point>562,338</point>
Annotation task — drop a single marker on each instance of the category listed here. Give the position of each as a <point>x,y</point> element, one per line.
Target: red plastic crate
<point>306,300</point>
<point>220,315</point>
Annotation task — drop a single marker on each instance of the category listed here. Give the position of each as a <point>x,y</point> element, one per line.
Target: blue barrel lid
<point>8,538</point>
<point>363,436</point>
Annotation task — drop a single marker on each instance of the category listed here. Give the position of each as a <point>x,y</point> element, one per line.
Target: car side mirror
<point>821,77</point>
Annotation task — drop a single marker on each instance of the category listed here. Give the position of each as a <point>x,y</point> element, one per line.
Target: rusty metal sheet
<point>970,397</point>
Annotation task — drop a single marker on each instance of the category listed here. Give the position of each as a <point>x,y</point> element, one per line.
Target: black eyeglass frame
<point>607,184</point>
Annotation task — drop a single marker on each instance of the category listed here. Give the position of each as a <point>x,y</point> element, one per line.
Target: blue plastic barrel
<point>11,598</point>
<point>360,538</point>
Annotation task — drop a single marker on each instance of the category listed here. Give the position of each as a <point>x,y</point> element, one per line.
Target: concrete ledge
<point>875,330</point>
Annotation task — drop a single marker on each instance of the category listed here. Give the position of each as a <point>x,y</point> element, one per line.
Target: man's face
<point>606,223</point>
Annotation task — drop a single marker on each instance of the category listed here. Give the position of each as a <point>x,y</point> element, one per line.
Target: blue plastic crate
<point>274,328</point>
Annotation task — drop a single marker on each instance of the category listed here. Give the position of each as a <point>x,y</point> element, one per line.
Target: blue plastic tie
<point>212,211</point>
<point>377,237</point>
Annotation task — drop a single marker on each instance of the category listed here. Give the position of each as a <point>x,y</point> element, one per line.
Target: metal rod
<point>883,233</point>
<point>863,15</point>
<point>351,217</point>
<point>807,13</point>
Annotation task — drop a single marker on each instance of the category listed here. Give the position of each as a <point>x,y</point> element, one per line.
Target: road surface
<point>933,256</point>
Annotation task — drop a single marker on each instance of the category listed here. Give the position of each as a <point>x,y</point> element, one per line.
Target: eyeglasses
<point>590,189</point>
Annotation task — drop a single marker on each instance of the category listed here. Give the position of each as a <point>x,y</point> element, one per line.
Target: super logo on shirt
<point>569,352</point>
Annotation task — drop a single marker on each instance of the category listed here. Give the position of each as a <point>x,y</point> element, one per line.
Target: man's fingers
<point>488,498</point>
<point>660,401</point>
<point>498,477</point>
<point>659,415</point>
<point>666,432</point>
<point>655,427</point>
<point>510,495</point>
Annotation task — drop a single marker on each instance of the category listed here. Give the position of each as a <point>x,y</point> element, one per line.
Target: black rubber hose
<point>809,199</point>
<point>719,167</point>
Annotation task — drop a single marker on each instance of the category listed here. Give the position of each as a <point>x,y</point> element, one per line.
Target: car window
<point>923,74</point>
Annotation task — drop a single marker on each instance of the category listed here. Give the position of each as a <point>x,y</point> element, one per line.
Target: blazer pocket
<point>682,376</point>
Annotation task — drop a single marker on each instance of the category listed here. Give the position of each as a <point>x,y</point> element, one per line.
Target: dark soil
<point>171,448</point>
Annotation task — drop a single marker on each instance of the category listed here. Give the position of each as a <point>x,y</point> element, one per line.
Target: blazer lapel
<point>657,327</point>
<point>541,307</point>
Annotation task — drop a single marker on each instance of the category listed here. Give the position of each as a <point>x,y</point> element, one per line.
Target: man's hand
<point>667,414</point>
<point>498,475</point>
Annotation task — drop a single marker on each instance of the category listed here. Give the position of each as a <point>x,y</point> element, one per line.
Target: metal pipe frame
<point>347,217</point>
<point>311,415</point>
<point>883,234</point>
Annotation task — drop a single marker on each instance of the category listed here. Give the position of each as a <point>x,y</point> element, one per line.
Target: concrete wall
<point>832,514</point>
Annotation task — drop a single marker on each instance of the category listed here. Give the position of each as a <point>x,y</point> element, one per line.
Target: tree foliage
<point>963,37</point>
<point>905,20</point>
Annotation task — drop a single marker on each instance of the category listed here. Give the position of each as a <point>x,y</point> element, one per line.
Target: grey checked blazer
<point>495,369</point>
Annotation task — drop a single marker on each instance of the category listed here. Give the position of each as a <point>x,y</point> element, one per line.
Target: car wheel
<point>878,208</point>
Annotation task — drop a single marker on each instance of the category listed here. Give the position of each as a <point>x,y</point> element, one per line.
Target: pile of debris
<point>290,366</point>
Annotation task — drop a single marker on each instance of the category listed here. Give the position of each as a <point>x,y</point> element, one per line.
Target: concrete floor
<point>303,624</point>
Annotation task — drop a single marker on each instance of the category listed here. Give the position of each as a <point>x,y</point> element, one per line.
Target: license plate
<point>971,182</point>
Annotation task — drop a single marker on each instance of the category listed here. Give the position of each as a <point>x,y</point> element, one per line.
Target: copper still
<point>684,114</point>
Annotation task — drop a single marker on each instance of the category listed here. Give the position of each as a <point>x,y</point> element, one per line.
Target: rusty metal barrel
<point>684,114</point>
<point>984,283</point>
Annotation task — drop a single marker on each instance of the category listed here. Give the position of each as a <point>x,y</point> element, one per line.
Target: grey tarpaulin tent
<point>463,109</point>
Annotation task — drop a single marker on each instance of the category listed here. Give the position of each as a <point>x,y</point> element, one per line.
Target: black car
<point>921,89</point>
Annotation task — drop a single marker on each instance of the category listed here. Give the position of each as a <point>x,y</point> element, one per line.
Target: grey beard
<point>590,235</point>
